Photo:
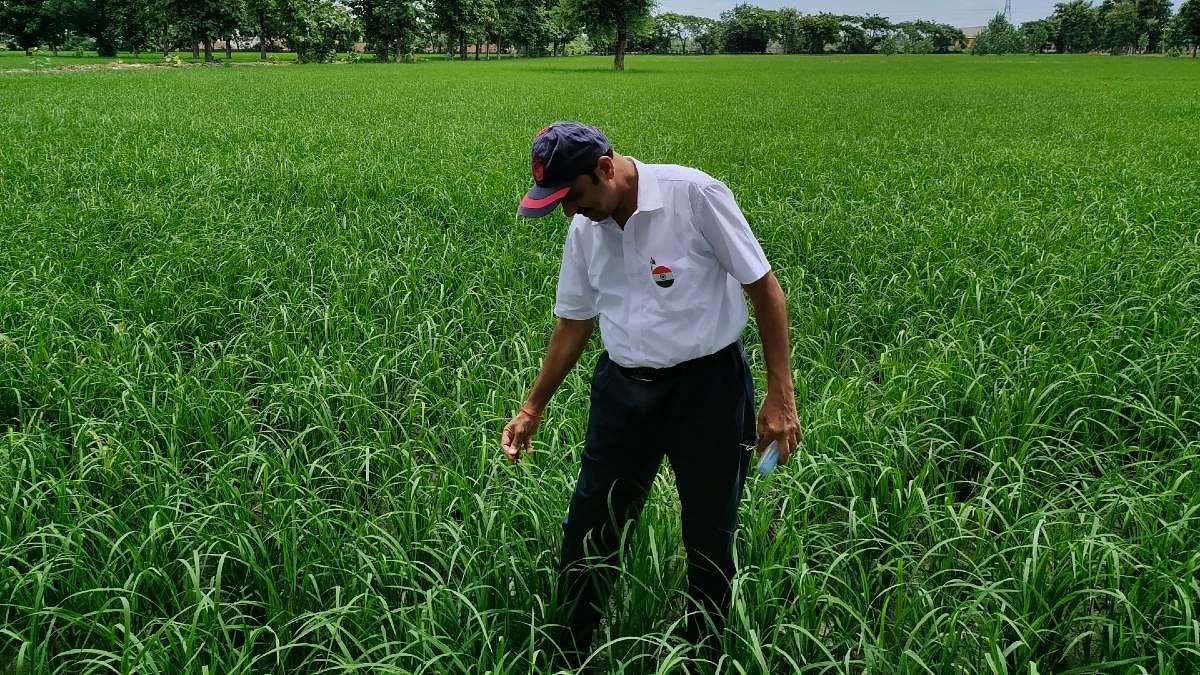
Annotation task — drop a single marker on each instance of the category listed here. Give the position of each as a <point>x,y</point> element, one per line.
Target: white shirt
<point>667,287</point>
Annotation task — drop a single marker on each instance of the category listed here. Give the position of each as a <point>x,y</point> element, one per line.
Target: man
<point>661,255</point>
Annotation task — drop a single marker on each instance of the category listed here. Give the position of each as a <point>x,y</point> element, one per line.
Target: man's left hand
<point>778,421</point>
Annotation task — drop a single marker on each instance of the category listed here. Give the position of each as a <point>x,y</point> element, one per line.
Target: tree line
<point>396,29</point>
<point>1116,26</point>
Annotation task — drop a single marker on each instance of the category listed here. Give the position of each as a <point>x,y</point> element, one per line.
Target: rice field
<point>260,329</point>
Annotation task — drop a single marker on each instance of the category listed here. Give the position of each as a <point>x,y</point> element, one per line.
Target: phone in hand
<point>770,457</point>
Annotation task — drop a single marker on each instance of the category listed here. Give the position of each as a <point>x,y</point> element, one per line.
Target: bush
<point>998,38</point>
<point>922,46</point>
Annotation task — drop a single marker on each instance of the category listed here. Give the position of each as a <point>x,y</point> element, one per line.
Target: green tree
<point>674,27</point>
<point>1187,25</point>
<point>819,30</point>
<point>485,24</point>
<point>854,38</point>
<point>203,20</point>
<point>1121,25</point>
<point>390,27</point>
<point>315,28</point>
<point>108,22</point>
<point>707,34</point>
<point>59,19</point>
<point>23,19</point>
<point>998,38</point>
<point>619,16</point>
<point>789,31</point>
<point>133,23</point>
<point>657,35</point>
<point>1154,15</point>
<point>941,36</point>
<point>1077,23</point>
<point>562,25</point>
<point>747,29</point>
<point>877,28</point>
<point>528,25</point>
<point>1035,35</point>
<point>264,20</point>
<point>455,18</point>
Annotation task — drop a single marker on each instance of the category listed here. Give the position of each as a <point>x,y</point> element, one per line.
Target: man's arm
<point>777,421</point>
<point>567,343</point>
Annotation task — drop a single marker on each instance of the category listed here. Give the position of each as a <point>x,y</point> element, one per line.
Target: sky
<point>961,13</point>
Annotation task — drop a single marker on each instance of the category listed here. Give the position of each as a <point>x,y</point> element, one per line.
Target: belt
<point>644,374</point>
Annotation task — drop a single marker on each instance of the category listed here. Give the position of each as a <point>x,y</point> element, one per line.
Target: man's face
<point>594,195</point>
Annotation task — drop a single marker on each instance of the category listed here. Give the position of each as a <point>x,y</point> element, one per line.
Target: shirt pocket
<point>674,285</point>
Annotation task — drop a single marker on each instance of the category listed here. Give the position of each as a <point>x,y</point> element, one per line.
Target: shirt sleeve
<point>724,228</point>
<point>575,298</point>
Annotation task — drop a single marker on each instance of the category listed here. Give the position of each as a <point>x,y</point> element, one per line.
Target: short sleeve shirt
<point>668,287</point>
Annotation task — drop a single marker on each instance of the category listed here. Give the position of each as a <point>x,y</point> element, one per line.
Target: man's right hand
<point>518,436</point>
<point>566,345</point>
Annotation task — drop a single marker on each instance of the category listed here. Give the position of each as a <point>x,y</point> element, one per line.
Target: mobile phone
<point>770,457</point>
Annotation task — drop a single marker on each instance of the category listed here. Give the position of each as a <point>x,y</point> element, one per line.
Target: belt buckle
<point>637,376</point>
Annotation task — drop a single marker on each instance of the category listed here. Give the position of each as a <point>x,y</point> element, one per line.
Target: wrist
<point>783,390</point>
<point>532,412</point>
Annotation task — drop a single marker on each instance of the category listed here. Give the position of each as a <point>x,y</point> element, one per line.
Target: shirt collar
<point>649,197</point>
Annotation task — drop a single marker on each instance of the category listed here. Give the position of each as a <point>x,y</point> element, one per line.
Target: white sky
<point>954,12</point>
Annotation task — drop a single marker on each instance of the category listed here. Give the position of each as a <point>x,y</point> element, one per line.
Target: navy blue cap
<point>562,152</point>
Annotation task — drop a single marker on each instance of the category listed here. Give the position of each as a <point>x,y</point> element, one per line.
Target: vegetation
<point>260,330</point>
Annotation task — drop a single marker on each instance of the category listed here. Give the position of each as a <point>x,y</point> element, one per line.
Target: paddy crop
<point>260,329</point>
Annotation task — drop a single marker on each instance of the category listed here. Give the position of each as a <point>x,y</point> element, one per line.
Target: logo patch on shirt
<point>662,275</point>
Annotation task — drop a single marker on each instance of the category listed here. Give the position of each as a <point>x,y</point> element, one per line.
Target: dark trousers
<point>698,414</point>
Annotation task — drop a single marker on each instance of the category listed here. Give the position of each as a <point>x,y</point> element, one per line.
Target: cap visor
<point>541,200</point>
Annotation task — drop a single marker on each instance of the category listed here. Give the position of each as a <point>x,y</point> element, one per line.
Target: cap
<point>561,152</point>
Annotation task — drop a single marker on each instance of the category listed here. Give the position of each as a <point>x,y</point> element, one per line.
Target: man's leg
<point>710,464</point>
<point>617,470</point>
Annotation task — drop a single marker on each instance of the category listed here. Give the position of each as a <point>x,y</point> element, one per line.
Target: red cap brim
<point>541,200</point>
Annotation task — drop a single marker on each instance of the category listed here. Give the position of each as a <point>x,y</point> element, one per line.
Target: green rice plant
<point>255,359</point>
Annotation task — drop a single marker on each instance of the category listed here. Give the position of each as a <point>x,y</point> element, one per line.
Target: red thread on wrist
<point>530,413</point>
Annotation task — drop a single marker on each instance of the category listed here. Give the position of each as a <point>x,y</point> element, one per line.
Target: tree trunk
<point>462,46</point>
<point>208,49</point>
<point>476,51</point>
<point>195,51</point>
<point>619,59</point>
<point>262,47</point>
<point>228,48</point>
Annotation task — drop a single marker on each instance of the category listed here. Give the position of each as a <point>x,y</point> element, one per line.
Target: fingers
<point>516,439</point>
<point>787,440</point>
<point>796,437</point>
<point>508,445</point>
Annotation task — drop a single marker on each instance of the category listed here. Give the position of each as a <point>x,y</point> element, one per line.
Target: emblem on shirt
<point>663,276</point>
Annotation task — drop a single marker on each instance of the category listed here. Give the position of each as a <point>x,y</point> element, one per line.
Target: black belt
<point>644,374</point>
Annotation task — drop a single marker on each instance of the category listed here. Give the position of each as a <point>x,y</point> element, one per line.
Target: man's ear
<point>607,167</point>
